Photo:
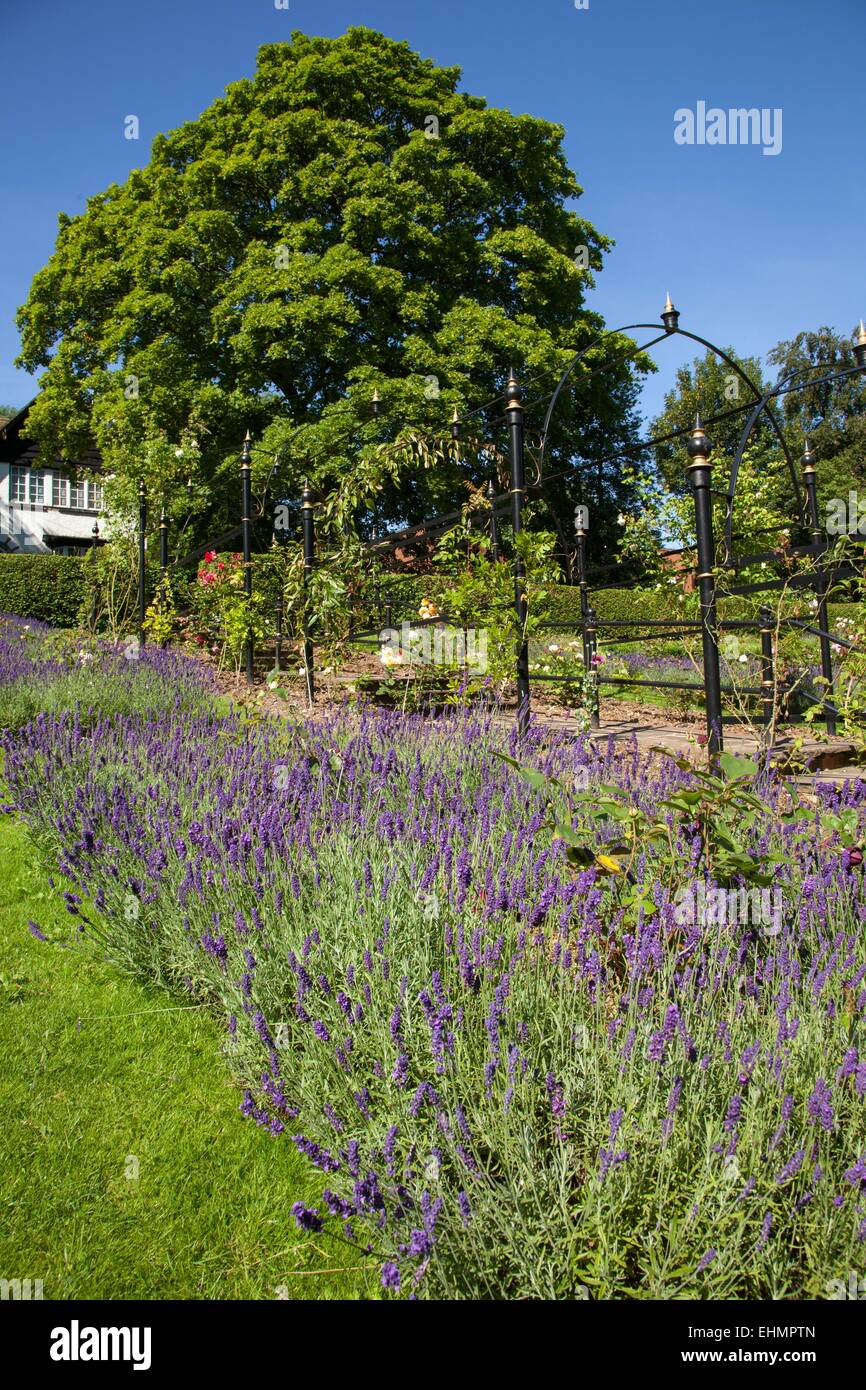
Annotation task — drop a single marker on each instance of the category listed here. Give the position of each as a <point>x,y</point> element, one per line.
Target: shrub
<point>50,588</point>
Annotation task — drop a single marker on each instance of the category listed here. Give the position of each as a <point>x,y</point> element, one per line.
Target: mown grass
<point>98,1071</point>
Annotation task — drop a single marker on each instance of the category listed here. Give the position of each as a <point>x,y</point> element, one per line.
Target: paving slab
<point>832,758</point>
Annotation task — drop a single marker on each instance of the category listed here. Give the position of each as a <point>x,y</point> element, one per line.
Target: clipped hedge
<point>556,603</point>
<point>48,587</point>
<point>560,603</point>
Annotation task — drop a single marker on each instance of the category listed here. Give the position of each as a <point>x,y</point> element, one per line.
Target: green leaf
<point>735,767</point>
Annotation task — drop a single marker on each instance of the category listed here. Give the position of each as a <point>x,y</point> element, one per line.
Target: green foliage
<point>662,519</point>
<point>111,586</point>
<point>849,694</point>
<point>221,607</point>
<point>724,808</point>
<point>51,588</point>
<point>833,414</point>
<point>160,619</point>
<point>480,592</point>
<point>826,409</point>
<point>301,242</point>
<point>710,387</point>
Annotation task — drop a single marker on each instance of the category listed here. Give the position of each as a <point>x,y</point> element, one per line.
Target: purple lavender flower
<point>856,1175</point>
<point>818,1105</point>
<point>307,1218</point>
<point>608,1159</point>
<point>732,1118</point>
<point>420,1244</point>
<point>792,1167</point>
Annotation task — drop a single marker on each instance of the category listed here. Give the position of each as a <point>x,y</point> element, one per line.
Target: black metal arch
<point>762,406</point>
<point>781,388</point>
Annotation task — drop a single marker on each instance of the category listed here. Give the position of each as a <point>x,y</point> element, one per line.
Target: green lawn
<point>102,1077</point>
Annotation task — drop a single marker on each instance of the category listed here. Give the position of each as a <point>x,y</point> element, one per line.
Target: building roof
<point>25,452</point>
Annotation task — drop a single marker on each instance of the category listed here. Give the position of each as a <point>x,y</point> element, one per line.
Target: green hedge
<point>554,602</point>
<point>560,603</point>
<point>48,587</point>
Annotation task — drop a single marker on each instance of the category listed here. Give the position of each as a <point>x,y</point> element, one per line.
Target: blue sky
<point>754,247</point>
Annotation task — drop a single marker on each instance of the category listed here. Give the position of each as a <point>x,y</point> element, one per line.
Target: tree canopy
<point>832,414</point>
<point>708,385</point>
<point>344,220</point>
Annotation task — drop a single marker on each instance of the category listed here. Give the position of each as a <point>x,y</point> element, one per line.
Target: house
<point>46,507</point>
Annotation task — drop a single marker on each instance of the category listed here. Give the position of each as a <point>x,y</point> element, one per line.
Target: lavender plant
<point>46,671</point>
<point>513,1081</point>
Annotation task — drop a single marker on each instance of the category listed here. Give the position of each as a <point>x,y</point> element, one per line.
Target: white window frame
<point>18,483</point>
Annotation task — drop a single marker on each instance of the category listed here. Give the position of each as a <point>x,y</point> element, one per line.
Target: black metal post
<point>278,636</point>
<point>580,557</point>
<point>163,561</point>
<point>308,520</point>
<point>590,650</point>
<point>514,415</point>
<point>246,522</point>
<point>494,529</point>
<point>818,538</point>
<point>94,597</point>
<point>377,593</point>
<point>587,613</point>
<point>142,574</point>
<point>768,685</point>
<point>163,544</point>
<point>700,477</point>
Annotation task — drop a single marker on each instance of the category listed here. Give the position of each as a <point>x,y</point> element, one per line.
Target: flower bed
<point>46,671</point>
<point>512,1080</point>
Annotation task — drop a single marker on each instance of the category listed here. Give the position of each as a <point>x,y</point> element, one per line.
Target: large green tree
<point>708,385</point>
<point>832,413</point>
<point>345,220</point>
